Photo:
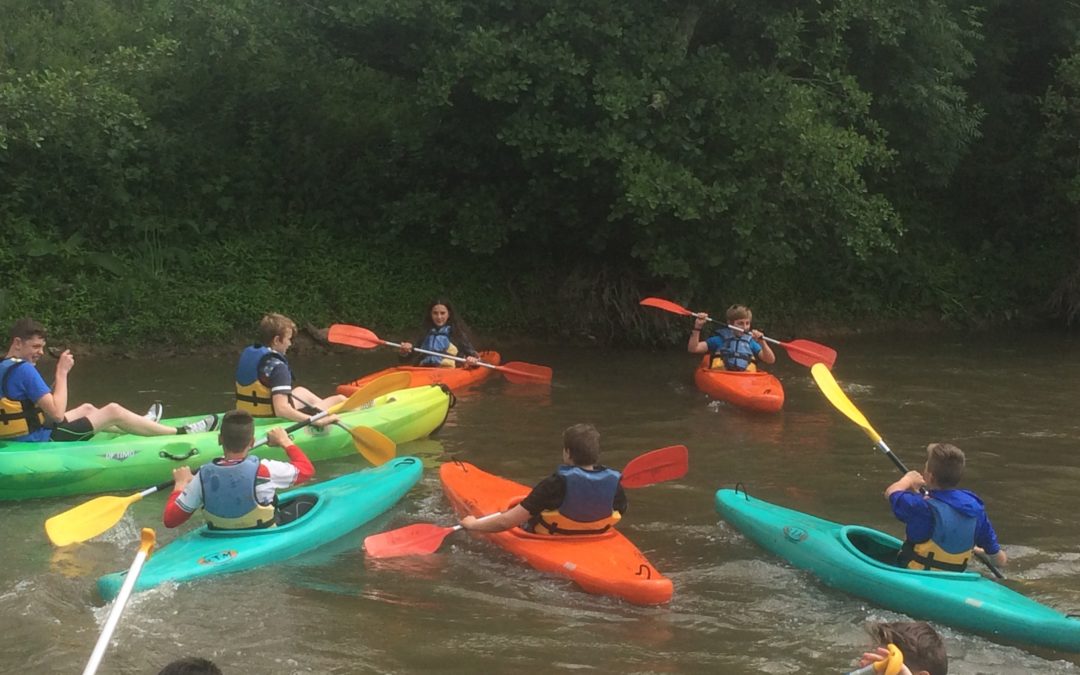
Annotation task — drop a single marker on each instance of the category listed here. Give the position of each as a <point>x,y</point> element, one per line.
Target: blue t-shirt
<point>26,384</point>
<point>912,509</point>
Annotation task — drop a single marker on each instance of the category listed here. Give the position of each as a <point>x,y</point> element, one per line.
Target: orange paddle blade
<point>354,336</point>
<point>807,353</point>
<point>520,372</point>
<point>656,466</point>
<point>665,305</point>
<point>419,539</point>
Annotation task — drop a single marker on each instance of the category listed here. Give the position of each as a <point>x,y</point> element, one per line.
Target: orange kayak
<point>455,378</point>
<point>757,391</point>
<point>605,564</point>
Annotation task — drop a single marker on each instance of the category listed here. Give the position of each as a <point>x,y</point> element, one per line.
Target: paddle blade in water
<point>807,353</point>
<point>665,305</point>
<point>88,520</point>
<point>419,539</point>
<point>375,446</point>
<point>656,466</point>
<point>354,336</point>
<point>520,372</point>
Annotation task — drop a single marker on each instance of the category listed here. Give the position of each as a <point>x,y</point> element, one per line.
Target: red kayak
<point>756,391</point>
<point>455,378</point>
<point>605,564</point>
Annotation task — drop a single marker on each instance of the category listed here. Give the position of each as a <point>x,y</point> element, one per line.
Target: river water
<point>1011,405</point>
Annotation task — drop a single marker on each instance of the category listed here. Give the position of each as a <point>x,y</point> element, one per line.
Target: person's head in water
<point>237,433</point>
<point>191,665</point>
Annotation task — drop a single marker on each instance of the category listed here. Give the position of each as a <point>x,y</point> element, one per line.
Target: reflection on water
<point>473,607</point>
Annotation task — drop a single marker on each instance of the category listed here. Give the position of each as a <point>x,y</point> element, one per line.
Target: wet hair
<point>275,325</point>
<point>237,431</point>
<point>736,312</point>
<point>923,648</point>
<point>26,328</point>
<point>583,443</point>
<point>946,462</point>
<point>191,665</point>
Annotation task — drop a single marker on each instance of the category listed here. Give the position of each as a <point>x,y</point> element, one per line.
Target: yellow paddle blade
<point>88,520</point>
<point>147,538</point>
<point>375,446</point>
<point>828,386</point>
<point>372,390</point>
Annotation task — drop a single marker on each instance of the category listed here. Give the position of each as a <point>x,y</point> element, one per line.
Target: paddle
<point>890,665</point>
<point>803,352</point>
<point>91,518</point>
<point>145,546</point>
<point>517,372</point>
<point>652,467</point>
<point>827,383</point>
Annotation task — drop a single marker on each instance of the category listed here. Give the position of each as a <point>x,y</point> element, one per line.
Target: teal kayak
<point>858,560</point>
<point>330,510</point>
<point>111,462</point>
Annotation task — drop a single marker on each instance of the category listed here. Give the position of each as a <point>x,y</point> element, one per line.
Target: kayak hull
<point>757,391</point>
<point>603,564</point>
<point>341,505</point>
<point>858,560</point>
<point>113,462</point>
<point>455,378</point>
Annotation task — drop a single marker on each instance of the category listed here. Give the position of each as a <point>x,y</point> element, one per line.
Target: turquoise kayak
<point>330,510</point>
<point>858,560</point>
<point>111,462</point>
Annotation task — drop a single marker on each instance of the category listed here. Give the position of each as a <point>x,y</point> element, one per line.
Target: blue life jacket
<point>229,496</point>
<point>252,393</point>
<point>736,351</point>
<point>17,417</point>
<point>586,508</point>
<point>438,340</point>
<point>950,544</point>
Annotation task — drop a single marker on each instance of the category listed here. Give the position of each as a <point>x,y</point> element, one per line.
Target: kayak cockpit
<point>880,549</point>
<point>289,514</point>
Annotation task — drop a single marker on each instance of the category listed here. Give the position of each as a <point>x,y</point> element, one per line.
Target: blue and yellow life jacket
<point>17,417</point>
<point>252,393</point>
<point>229,496</point>
<point>950,544</point>
<point>736,352</point>
<point>586,508</point>
<point>438,340</point>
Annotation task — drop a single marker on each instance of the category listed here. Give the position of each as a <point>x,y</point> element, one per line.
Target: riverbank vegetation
<point>171,169</point>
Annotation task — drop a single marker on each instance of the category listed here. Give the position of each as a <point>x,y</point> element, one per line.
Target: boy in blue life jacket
<point>581,497</point>
<point>946,524</point>
<point>264,380</point>
<point>729,349</point>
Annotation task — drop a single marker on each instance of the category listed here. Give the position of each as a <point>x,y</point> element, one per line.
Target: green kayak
<point>330,510</point>
<point>113,462</point>
<point>859,560</point>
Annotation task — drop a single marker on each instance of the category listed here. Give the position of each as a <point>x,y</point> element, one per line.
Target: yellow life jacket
<point>950,544</point>
<point>17,418</point>
<point>554,522</point>
<point>586,506</point>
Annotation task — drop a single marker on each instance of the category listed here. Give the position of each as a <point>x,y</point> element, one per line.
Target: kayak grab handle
<point>646,569</point>
<point>740,487</point>
<point>178,458</point>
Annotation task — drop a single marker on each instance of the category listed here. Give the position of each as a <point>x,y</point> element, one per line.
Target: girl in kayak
<point>236,491</point>
<point>922,648</point>
<point>581,497</point>
<point>443,332</point>
<point>264,380</point>
<point>32,412</point>
<point>946,524</point>
<point>731,349</point>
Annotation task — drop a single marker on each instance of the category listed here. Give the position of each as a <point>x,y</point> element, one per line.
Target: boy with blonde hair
<point>729,349</point>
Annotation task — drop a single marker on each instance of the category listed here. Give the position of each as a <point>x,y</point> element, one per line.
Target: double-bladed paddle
<point>91,518</point>
<point>517,372</point>
<point>803,352</point>
<point>146,545</point>
<point>827,383</point>
<point>652,467</point>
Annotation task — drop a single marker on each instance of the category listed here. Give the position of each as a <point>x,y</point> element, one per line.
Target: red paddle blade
<point>807,353</point>
<point>665,305</point>
<point>520,372</point>
<point>656,466</point>
<point>419,539</point>
<point>354,336</point>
